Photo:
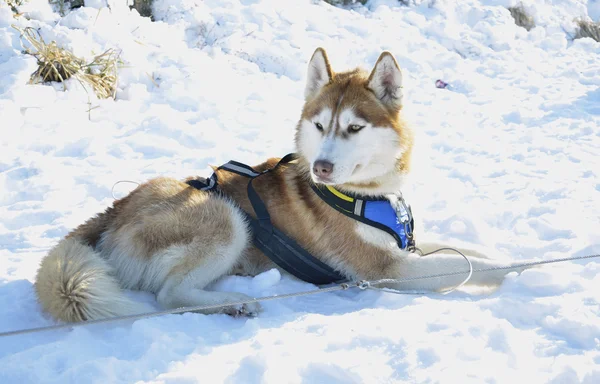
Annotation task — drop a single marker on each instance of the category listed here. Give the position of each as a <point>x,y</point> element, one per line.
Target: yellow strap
<point>339,194</point>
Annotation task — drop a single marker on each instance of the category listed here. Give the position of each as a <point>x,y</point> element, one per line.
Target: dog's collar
<point>390,214</point>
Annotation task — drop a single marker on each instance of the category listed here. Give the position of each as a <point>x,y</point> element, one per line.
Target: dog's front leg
<point>411,265</point>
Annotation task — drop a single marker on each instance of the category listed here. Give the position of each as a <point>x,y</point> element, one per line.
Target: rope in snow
<point>417,249</point>
<point>487,269</point>
<point>363,284</point>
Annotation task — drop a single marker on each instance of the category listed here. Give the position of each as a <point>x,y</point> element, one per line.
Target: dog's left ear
<point>386,81</point>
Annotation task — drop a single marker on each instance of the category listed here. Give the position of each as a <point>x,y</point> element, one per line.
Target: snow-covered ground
<point>507,160</point>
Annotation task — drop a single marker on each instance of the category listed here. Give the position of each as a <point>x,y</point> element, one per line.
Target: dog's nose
<point>323,168</point>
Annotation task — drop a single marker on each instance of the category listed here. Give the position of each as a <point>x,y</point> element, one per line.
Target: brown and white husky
<point>173,240</point>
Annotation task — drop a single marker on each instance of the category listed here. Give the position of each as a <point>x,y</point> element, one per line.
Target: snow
<point>507,161</point>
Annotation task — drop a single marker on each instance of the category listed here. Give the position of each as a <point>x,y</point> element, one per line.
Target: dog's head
<point>350,134</point>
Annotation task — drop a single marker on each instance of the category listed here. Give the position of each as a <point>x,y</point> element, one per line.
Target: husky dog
<point>171,239</point>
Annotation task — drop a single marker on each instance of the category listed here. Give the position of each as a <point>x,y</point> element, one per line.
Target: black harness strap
<point>277,246</point>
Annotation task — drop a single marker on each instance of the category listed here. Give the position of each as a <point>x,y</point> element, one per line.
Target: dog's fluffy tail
<point>74,283</point>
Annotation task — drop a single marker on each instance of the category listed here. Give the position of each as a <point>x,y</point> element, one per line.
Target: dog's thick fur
<point>170,239</point>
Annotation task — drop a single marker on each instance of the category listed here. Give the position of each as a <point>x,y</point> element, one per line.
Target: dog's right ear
<point>319,73</point>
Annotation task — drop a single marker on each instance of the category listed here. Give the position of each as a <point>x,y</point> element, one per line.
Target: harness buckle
<point>403,210</point>
<point>404,213</point>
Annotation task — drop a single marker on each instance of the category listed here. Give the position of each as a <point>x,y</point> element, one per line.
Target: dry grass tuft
<point>101,73</point>
<point>522,18</point>
<point>58,64</point>
<point>587,28</point>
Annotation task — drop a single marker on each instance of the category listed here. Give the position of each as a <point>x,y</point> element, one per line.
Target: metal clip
<point>363,284</point>
<point>404,214</point>
<point>406,209</point>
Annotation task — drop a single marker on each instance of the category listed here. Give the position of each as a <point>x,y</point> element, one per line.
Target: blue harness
<point>391,216</point>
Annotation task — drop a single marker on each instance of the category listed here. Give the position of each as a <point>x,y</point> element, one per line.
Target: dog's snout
<point>323,168</point>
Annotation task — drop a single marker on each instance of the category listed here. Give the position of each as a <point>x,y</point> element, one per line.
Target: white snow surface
<point>507,160</point>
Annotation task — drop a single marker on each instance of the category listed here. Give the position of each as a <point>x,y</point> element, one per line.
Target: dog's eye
<point>319,126</point>
<point>355,128</point>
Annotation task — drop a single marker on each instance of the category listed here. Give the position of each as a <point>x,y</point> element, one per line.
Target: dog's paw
<point>243,310</point>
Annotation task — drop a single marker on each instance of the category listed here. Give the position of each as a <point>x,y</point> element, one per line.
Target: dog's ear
<point>386,81</point>
<point>319,73</point>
